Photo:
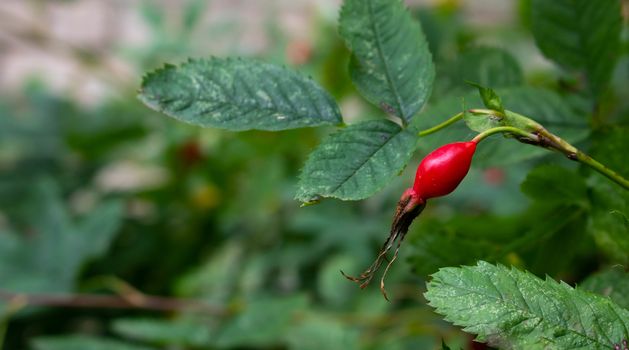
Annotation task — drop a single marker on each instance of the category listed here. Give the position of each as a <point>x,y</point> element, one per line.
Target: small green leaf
<point>356,162</point>
<point>391,65</point>
<point>512,309</point>
<point>612,283</point>
<point>581,35</point>
<point>554,184</point>
<point>490,97</point>
<point>82,342</point>
<point>237,94</point>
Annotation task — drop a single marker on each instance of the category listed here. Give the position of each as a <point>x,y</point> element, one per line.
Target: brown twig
<point>101,301</point>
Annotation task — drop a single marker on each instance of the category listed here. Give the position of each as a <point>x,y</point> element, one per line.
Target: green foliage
<point>513,309</point>
<point>612,283</point>
<point>82,342</point>
<point>221,226</point>
<point>51,258</point>
<point>356,161</point>
<point>391,63</point>
<point>237,94</point>
<point>580,35</point>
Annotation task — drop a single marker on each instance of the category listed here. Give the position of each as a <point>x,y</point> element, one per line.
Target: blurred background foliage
<point>99,195</point>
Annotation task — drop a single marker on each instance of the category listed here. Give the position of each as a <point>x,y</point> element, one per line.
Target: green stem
<point>610,174</point>
<point>486,112</point>
<point>445,124</point>
<point>503,129</point>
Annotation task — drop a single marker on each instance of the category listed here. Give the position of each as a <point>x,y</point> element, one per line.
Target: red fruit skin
<point>441,171</point>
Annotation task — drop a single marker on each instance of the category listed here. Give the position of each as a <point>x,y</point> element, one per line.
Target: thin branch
<point>100,301</point>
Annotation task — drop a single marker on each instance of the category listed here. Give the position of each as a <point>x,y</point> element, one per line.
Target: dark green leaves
<point>356,161</point>
<point>581,35</point>
<point>513,309</point>
<point>238,94</point>
<point>392,66</point>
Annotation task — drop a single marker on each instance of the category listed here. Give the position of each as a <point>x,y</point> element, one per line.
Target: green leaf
<point>51,258</point>
<point>237,94</point>
<point>82,342</point>
<point>581,35</point>
<point>612,283</point>
<point>391,65</point>
<point>512,309</point>
<point>490,98</point>
<point>356,162</point>
<point>554,184</point>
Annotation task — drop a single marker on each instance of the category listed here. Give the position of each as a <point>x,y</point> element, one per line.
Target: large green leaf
<point>51,258</point>
<point>512,309</point>
<point>580,34</point>
<point>356,161</point>
<point>392,65</point>
<point>612,283</point>
<point>237,94</point>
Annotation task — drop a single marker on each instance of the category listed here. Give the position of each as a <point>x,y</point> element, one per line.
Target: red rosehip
<point>441,171</point>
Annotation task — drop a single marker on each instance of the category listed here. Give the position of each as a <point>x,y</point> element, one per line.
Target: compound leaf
<point>391,65</point>
<point>512,309</point>
<point>356,162</point>
<point>581,35</point>
<point>238,94</point>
